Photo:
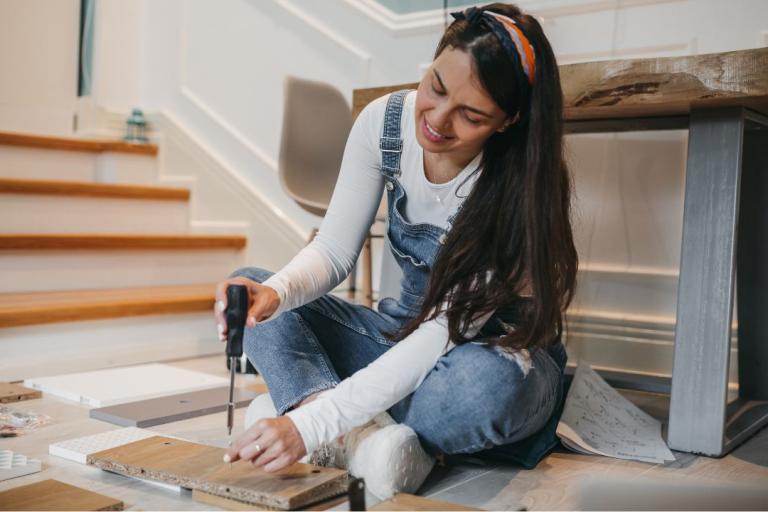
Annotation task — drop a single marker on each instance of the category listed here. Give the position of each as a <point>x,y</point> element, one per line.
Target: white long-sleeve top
<point>327,260</point>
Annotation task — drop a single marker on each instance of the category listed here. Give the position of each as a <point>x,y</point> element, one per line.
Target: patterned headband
<point>509,34</point>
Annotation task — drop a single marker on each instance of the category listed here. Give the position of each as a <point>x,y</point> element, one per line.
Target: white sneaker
<point>260,407</point>
<point>388,456</point>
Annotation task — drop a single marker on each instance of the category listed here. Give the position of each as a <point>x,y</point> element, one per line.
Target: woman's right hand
<point>262,302</point>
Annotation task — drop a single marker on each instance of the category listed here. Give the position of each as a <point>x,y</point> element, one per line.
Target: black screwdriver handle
<point>236,313</point>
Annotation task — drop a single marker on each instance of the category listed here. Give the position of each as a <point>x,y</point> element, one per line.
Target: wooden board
<point>55,495</point>
<point>230,504</point>
<point>16,393</point>
<point>157,411</point>
<point>403,501</point>
<point>197,466</point>
<point>651,87</point>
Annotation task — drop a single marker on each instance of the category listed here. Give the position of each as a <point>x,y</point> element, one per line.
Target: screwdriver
<point>237,310</point>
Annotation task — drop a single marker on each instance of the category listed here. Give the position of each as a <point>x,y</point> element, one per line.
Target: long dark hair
<point>515,224</point>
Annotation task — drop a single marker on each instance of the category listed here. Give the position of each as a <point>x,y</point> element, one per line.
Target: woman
<point>469,359</point>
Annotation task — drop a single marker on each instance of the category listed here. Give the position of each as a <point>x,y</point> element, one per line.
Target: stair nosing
<point>75,144</point>
<point>98,241</point>
<point>85,189</point>
<point>92,309</point>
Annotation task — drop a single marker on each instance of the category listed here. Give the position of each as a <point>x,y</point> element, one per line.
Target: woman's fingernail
<point>251,321</point>
<point>220,307</point>
<point>227,458</point>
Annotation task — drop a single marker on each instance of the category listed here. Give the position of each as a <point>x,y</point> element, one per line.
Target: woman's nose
<point>440,120</point>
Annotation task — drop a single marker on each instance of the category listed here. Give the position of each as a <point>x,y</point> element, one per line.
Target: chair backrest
<point>316,123</point>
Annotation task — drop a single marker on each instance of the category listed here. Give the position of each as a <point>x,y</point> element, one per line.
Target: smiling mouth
<point>433,134</point>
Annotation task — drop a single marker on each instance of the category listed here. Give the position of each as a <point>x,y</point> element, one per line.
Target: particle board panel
<point>112,386</point>
<point>230,504</point>
<point>404,501</point>
<point>156,411</point>
<point>55,495</point>
<point>10,392</point>
<point>197,466</point>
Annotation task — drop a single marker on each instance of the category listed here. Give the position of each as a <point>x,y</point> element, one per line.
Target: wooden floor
<point>553,485</point>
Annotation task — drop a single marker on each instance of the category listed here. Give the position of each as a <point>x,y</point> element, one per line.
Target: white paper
<point>598,420</point>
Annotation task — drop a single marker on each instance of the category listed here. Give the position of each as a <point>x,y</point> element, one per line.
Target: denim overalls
<point>475,400</point>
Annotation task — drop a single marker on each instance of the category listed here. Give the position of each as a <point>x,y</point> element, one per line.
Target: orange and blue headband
<point>509,33</point>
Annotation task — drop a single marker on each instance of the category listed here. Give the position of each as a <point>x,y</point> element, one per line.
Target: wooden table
<point>722,99</point>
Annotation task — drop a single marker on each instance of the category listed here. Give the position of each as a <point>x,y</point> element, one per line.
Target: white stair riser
<point>54,349</point>
<point>30,213</point>
<point>61,165</point>
<point>56,270</point>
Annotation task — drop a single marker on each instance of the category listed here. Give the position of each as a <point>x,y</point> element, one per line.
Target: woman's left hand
<point>274,443</point>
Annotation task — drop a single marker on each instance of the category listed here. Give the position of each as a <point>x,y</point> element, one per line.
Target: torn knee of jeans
<point>520,356</point>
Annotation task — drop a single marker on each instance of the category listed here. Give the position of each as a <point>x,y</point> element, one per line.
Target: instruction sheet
<point>598,420</point>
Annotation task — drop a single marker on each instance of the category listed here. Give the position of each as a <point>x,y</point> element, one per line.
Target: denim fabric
<point>475,400</point>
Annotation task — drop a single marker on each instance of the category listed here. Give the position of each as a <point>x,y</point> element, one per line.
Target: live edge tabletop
<point>650,87</point>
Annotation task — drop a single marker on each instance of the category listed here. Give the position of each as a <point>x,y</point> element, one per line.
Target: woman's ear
<point>509,122</point>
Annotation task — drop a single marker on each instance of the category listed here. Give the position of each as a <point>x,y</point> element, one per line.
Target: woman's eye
<point>473,121</point>
<point>439,93</point>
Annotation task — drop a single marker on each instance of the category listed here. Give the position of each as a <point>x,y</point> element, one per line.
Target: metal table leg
<point>727,155</point>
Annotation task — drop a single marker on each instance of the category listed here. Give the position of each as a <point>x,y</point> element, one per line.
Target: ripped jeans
<point>474,399</point>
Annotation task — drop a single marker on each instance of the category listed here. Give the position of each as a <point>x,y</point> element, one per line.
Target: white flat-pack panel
<point>120,385</point>
<point>14,464</point>
<point>78,449</point>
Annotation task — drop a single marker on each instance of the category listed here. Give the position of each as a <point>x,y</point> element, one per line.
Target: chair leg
<point>352,283</point>
<point>367,272</point>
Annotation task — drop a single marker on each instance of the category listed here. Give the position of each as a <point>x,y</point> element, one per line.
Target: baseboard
<point>635,344</point>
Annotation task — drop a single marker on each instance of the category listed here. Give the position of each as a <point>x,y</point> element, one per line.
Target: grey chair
<point>316,123</point>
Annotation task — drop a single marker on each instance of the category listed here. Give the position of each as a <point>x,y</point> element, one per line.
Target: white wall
<point>38,65</point>
<point>216,68</point>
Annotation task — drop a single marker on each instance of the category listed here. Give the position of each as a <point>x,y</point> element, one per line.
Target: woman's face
<point>453,111</point>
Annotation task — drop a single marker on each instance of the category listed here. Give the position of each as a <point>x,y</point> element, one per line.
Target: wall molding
<point>265,211</point>
<point>331,34</point>
<point>227,127</point>
<point>432,20</point>
<point>682,48</point>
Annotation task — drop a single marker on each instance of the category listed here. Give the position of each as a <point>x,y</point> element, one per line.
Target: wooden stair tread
<point>74,144</point>
<point>30,308</point>
<point>80,188</point>
<point>112,241</point>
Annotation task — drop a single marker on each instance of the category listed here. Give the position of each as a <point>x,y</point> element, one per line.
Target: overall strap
<point>390,144</point>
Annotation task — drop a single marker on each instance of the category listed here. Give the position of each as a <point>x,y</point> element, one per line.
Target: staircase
<point>98,264</point>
